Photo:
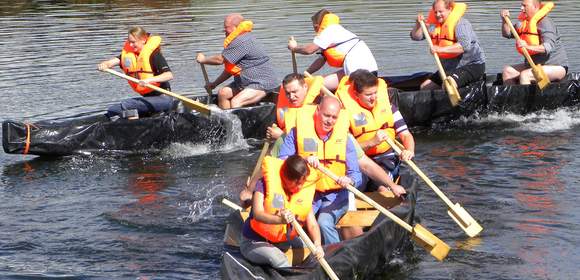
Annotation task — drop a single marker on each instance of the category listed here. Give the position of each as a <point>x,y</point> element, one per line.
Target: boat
<point>365,257</point>
<point>97,134</point>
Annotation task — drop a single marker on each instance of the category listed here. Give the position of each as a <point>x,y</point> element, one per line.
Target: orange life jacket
<point>275,198</point>
<point>334,57</point>
<point>528,29</point>
<point>364,124</point>
<point>332,153</point>
<point>286,111</point>
<point>244,27</point>
<point>444,34</point>
<point>139,65</point>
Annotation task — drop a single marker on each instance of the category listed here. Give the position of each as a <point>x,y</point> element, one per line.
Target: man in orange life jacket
<point>321,136</point>
<point>340,48</point>
<point>283,195</point>
<point>455,42</point>
<point>245,59</point>
<point>141,58</point>
<point>540,37</point>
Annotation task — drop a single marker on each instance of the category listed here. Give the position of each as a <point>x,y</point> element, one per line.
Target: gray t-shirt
<point>472,51</point>
<point>550,39</point>
<point>257,69</point>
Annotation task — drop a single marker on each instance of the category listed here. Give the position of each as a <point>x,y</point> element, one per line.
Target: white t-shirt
<point>358,56</point>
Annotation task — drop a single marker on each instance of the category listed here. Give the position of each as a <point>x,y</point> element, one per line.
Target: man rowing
<point>244,58</point>
<point>540,37</point>
<point>340,48</point>
<point>455,42</point>
<point>141,58</point>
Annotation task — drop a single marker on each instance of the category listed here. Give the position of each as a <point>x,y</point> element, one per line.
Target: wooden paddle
<point>195,105</point>
<point>294,64</point>
<point>465,221</point>
<point>258,166</point>
<point>451,90</point>
<point>206,78</point>
<point>324,89</point>
<point>436,247</point>
<point>541,77</point>
<point>302,235</point>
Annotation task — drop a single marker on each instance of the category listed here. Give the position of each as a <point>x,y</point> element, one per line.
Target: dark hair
<point>291,77</point>
<point>295,168</point>
<point>317,18</point>
<point>362,79</point>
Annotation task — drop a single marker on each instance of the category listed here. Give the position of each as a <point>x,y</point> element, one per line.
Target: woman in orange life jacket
<point>455,42</point>
<point>283,195</point>
<point>141,58</point>
<point>340,48</point>
<point>540,37</point>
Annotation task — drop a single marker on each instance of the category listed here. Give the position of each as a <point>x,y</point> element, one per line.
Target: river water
<point>157,215</point>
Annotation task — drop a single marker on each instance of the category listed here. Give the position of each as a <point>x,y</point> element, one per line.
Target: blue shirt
<point>288,148</point>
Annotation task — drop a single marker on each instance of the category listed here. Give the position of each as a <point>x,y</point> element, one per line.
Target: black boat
<point>365,257</point>
<point>419,108</point>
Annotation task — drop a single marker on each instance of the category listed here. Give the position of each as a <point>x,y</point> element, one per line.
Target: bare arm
<point>259,213</point>
<point>409,144</point>
<point>505,28</point>
<point>217,59</point>
<point>109,63</point>
<point>306,49</point>
<point>453,49</point>
<point>163,77</point>
<point>316,65</point>
<point>417,33</point>
<point>313,229</point>
<point>378,174</point>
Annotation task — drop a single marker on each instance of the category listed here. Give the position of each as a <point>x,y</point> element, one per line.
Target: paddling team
<point>343,131</point>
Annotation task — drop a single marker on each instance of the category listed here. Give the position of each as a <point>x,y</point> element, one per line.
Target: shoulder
<point>546,23</point>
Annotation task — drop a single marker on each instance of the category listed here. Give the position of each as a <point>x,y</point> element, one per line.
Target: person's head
<point>365,85</point>
<point>442,9</point>
<point>293,173</point>
<point>326,115</point>
<point>530,7</point>
<point>231,22</point>
<point>317,18</point>
<point>296,88</point>
<point>137,37</point>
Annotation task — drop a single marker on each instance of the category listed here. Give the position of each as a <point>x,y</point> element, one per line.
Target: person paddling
<point>540,37</point>
<point>141,58</point>
<point>455,42</point>
<point>243,58</point>
<point>340,48</point>
<point>283,195</point>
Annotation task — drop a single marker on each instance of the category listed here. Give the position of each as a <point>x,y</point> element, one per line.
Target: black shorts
<point>463,75</point>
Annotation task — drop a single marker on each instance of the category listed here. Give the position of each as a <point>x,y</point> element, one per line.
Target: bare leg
<point>428,85</point>
<point>224,96</point>
<point>246,97</point>
<point>554,72</point>
<point>351,232</point>
<point>511,73</point>
<point>331,81</point>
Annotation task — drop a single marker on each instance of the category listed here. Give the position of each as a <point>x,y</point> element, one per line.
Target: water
<point>157,215</point>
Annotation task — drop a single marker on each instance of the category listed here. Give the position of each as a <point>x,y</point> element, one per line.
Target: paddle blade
<point>465,221</point>
<point>541,77</point>
<point>453,93</point>
<point>436,247</point>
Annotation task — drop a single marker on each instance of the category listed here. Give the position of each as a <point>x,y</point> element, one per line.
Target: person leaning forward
<point>141,58</point>
<point>540,37</point>
<point>245,59</point>
<point>340,48</point>
<point>455,42</point>
<point>283,195</point>
<point>321,136</point>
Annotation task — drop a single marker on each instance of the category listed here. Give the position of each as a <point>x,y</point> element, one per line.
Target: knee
<point>225,92</point>
<point>509,72</point>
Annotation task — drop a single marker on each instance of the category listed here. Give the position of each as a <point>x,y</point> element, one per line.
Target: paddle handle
<point>195,104</point>
<point>312,248</point>
<point>397,148</point>
<point>436,56</point>
<point>258,166</point>
<point>232,205</point>
<point>369,200</point>
<point>517,36</point>
<point>324,89</point>
<point>294,64</point>
<point>206,78</point>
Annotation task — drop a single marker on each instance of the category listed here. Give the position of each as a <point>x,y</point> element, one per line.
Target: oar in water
<point>302,235</point>
<point>541,77</point>
<point>206,78</point>
<point>451,90</point>
<point>465,221</point>
<point>294,64</point>
<point>436,247</point>
<point>195,105</point>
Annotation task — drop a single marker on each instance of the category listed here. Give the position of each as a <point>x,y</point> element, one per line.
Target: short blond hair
<point>448,3</point>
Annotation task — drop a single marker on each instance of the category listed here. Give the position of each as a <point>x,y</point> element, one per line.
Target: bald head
<point>329,103</point>
<point>326,115</point>
<point>231,22</point>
